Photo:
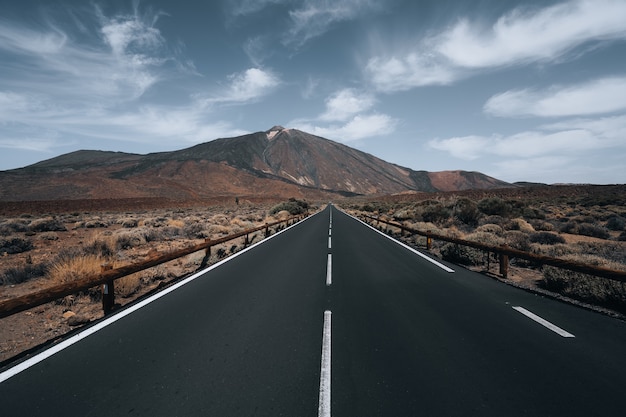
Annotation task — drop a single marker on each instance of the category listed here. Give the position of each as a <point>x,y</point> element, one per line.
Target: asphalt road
<point>383,332</point>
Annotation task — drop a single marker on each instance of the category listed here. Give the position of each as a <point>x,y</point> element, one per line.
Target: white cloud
<point>246,86</point>
<point>357,128</point>
<point>549,154</point>
<point>315,17</point>
<point>345,103</point>
<point>520,37</point>
<point>599,96</point>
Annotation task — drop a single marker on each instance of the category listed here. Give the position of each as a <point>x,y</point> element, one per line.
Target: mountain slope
<point>279,162</point>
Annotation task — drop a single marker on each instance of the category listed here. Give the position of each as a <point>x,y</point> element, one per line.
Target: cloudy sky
<point>520,90</point>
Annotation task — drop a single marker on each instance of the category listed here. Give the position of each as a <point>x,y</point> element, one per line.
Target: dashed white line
<point>543,322</point>
<point>329,243</point>
<point>324,400</point>
<point>329,270</point>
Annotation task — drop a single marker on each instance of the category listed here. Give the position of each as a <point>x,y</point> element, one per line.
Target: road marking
<point>330,232</point>
<point>418,253</point>
<point>22,366</point>
<point>543,322</point>
<point>329,269</point>
<point>324,402</point>
<point>329,243</point>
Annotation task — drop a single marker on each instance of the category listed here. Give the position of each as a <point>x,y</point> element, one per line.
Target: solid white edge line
<point>543,322</point>
<point>329,270</point>
<point>324,400</point>
<point>22,366</point>
<point>431,260</point>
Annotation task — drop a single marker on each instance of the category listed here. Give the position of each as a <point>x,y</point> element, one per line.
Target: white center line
<point>329,270</point>
<point>543,322</point>
<point>324,402</point>
<point>329,243</point>
<point>330,232</point>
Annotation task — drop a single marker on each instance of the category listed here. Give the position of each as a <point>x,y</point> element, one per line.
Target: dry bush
<point>128,286</point>
<point>588,288</point>
<point>176,223</point>
<point>521,225</point>
<point>490,228</point>
<point>50,236</point>
<point>10,226</point>
<point>47,224</point>
<point>19,274</point>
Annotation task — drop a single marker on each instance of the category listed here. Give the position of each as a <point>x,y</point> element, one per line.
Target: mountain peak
<point>274,131</point>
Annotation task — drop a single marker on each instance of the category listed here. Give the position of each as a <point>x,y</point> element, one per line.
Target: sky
<point>519,90</point>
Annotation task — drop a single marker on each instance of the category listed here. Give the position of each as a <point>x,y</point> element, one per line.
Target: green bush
<point>47,225</point>
<point>593,230</point>
<point>466,211</point>
<point>435,213</point>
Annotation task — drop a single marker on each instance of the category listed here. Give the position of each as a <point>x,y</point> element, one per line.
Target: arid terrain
<point>46,243</point>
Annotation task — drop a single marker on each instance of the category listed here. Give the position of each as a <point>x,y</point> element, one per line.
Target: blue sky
<point>519,90</point>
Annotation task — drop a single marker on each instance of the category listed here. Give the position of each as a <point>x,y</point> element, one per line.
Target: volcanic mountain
<point>276,163</point>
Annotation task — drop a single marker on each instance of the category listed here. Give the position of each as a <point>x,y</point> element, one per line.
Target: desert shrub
<point>490,239</point>
<point>435,213</point>
<point>130,223</point>
<point>593,230</point>
<point>293,206</point>
<point>13,226</point>
<point>542,226</point>
<point>622,237</point>
<point>490,228</point>
<point>462,255</point>
<point>71,268</point>
<point>521,225</point>
<point>129,240</point>
<point>494,206</point>
<point>532,213</point>
<point>17,275</point>
<point>546,238</point>
<point>517,240</point>
<point>610,251</point>
<point>569,227</point>
<point>48,224</point>
<point>404,214</point>
<point>616,223</point>
<point>466,211</point>
<point>585,287</point>
<point>194,231</point>
<point>128,286</point>
<point>99,247</point>
<point>14,245</point>
<point>499,220</point>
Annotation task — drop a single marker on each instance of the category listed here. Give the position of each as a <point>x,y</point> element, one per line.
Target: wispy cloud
<point>315,17</point>
<point>605,95</point>
<point>520,37</point>
<point>346,103</point>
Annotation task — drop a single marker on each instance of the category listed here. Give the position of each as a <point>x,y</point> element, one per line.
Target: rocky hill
<point>276,163</point>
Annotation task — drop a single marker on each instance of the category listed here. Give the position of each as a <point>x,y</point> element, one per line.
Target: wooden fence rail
<point>108,276</point>
<point>506,252</point>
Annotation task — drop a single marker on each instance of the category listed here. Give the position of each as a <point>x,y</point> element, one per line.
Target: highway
<point>331,317</point>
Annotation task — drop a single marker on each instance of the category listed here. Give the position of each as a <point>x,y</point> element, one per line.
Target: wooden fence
<point>504,253</point>
<point>108,275</point>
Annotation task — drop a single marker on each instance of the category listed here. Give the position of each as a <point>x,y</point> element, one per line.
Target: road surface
<point>330,317</point>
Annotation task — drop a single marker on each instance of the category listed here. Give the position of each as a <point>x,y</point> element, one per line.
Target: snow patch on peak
<point>274,131</point>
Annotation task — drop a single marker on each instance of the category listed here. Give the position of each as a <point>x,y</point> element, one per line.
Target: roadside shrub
<point>47,225</point>
<point>542,226</point>
<point>99,247</point>
<point>15,245</point>
<point>622,237</point>
<point>521,225</point>
<point>569,227</point>
<point>130,223</point>
<point>546,238</point>
<point>587,288</point>
<point>462,255</point>
<point>494,206</point>
<point>517,240</point>
<point>293,206</point>
<point>69,269</point>
<point>17,275</point>
<point>194,231</point>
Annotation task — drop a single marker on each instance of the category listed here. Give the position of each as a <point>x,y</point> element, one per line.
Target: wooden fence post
<point>504,264</point>
<point>429,241</point>
<point>108,291</point>
<point>207,255</point>
<point>267,230</point>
